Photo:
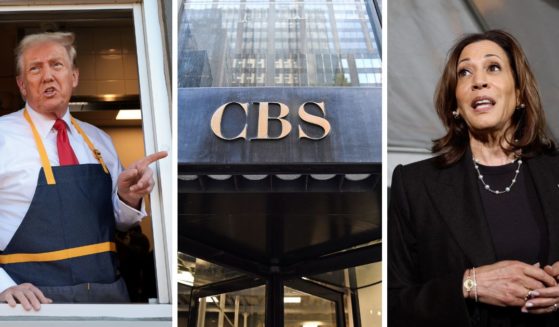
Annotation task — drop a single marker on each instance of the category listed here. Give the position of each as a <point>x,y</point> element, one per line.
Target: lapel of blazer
<point>545,173</point>
<point>456,196</point>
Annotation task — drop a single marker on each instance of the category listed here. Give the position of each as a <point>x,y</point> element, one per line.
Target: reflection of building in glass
<point>277,43</point>
<point>194,69</point>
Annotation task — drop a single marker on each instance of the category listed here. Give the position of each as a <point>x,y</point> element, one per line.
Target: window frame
<point>156,113</point>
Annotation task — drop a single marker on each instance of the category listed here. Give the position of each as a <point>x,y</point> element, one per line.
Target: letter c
<point>215,123</point>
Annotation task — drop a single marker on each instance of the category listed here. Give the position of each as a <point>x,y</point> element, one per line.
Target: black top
<point>515,218</point>
<point>437,228</point>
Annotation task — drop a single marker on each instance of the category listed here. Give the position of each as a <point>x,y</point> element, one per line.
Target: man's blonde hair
<point>65,39</point>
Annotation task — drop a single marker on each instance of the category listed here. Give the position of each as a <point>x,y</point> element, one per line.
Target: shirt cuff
<point>5,280</point>
<point>127,216</point>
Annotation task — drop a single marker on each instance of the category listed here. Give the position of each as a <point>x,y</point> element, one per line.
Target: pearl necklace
<point>488,187</point>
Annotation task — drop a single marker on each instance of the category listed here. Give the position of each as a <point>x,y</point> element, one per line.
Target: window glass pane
<point>305,310</point>
<point>247,307</point>
<point>363,78</point>
<point>194,274</point>
<point>370,307</point>
<point>197,272</point>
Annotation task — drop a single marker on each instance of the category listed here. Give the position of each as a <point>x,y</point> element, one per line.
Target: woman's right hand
<point>507,283</point>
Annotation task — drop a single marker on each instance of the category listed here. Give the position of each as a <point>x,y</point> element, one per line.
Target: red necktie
<point>66,155</point>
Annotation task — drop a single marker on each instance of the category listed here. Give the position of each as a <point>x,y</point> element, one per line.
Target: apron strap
<point>96,152</point>
<point>43,153</point>
<point>70,253</point>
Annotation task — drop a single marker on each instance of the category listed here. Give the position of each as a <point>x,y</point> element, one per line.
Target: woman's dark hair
<point>528,124</point>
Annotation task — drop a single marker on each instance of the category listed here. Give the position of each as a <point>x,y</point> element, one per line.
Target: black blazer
<point>437,230</point>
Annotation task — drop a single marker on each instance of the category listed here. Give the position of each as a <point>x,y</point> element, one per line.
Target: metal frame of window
<point>155,104</point>
<point>375,19</point>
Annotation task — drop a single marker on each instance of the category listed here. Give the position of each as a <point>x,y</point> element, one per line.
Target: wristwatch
<point>469,283</point>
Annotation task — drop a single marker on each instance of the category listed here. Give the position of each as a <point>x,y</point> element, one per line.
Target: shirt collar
<point>44,124</point>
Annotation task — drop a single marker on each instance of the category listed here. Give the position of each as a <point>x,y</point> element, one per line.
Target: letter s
<point>314,120</point>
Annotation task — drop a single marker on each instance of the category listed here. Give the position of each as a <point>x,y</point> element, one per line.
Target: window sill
<point>89,315</point>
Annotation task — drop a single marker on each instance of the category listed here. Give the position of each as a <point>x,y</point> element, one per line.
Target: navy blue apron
<point>65,243</point>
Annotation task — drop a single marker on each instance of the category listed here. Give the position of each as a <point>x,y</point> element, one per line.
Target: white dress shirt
<point>20,164</point>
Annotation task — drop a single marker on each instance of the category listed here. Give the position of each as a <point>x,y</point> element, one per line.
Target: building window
<point>299,29</point>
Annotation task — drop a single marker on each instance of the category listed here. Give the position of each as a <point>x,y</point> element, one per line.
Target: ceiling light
<point>135,114</point>
<point>292,299</point>
<point>356,177</point>
<point>187,177</point>
<point>219,177</point>
<point>312,324</point>
<point>255,177</point>
<point>109,97</point>
<point>288,177</point>
<point>322,177</point>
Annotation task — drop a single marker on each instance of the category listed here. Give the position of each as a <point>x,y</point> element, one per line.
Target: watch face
<point>468,284</point>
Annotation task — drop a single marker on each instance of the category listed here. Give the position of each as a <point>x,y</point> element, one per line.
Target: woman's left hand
<point>545,300</point>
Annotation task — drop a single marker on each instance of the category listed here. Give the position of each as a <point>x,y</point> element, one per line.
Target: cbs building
<point>279,163</point>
